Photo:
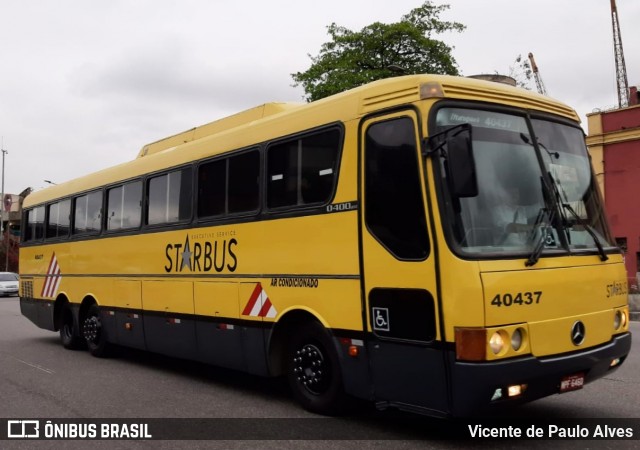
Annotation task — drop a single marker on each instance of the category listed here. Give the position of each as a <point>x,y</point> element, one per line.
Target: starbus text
<point>203,257</point>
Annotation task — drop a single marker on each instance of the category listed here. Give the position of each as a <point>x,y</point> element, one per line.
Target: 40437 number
<point>519,298</point>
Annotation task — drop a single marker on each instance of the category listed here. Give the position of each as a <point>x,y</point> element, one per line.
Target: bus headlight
<point>497,342</point>
<point>516,339</point>
<point>620,319</point>
<point>488,344</point>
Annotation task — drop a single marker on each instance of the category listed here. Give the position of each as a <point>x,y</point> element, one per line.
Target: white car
<point>8,283</point>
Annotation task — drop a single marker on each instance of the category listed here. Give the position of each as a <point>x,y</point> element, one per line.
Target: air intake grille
<point>26,289</point>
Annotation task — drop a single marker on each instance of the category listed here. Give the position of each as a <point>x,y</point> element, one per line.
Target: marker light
<point>431,90</point>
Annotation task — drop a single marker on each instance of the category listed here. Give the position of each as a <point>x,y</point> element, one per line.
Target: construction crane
<point>621,68</point>
<point>536,75</point>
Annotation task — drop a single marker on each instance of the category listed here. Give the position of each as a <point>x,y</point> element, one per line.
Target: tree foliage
<point>521,71</point>
<point>379,50</point>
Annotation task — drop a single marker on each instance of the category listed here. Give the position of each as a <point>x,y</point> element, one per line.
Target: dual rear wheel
<point>91,332</point>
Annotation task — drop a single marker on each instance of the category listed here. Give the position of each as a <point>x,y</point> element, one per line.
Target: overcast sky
<point>84,84</point>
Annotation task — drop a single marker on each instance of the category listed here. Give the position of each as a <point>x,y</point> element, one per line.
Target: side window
<point>229,185</point>
<point>244,182</point>
<point>124,206</point>
<point>303,171</point>
<point>170,197</point>
<point>35,224</point>
<point>88,213</point>
<point>58,219</point>
<point>394,208</point>
<point>212,182</point>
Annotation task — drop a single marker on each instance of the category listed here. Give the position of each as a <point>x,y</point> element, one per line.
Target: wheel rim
<point>91,329</point>
<point>311,369</point>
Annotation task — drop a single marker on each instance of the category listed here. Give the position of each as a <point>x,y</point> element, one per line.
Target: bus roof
<point>226,123</point>
<point>256,125</point>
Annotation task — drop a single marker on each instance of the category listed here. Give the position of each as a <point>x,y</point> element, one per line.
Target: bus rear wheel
<point>313,370</point>
<point>68,335</point>
<point>94,333</point>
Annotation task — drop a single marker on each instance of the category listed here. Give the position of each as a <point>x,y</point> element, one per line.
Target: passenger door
<point>399,266</point>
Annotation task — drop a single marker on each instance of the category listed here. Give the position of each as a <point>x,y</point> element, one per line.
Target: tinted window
<point>244,182</point>
<point>170,197</point>
<point>88,216</point>
<point>123,206</point>
<point>35,224</point>
<point>212,182</point>
<point>58,219</point>
<point>394,209</point>
<point>230,185</point>
<point>303,171</point>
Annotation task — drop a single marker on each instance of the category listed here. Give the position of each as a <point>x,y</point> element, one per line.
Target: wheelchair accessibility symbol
<point>381,319</point>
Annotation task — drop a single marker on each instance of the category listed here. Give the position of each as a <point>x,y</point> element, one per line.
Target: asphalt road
<point>40,379</point>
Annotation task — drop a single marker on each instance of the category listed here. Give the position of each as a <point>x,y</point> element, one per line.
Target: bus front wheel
<point>94,333</point>
<point>313,370</point>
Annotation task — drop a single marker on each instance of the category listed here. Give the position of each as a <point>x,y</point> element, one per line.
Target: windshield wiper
<point>580,221</point>
<point>539,224</point>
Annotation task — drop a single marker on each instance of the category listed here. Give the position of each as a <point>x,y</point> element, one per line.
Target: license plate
<point>572,382</point>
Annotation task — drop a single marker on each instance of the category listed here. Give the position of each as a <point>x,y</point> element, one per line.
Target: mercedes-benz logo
<point>578,333</point>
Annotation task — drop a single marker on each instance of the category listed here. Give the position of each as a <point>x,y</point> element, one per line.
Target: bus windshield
<point>535,187</point>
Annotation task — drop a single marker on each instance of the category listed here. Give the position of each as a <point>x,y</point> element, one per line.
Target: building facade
<point>614,145</point>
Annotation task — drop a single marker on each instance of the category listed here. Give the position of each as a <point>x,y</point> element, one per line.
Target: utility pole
<point>6,264</point>
<point>621,68</point>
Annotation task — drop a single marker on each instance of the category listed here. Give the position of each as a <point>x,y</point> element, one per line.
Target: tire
<point>94,333</point>
<point>313,370</point>
<point>68,333</point>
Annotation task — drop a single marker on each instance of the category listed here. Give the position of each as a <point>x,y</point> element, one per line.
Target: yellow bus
<point>430,243</point>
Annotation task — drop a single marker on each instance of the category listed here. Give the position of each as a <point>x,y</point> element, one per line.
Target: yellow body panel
<point>564,291</point>
<point>553,336</point>
<point>216,299</point>
<point>168,296</point>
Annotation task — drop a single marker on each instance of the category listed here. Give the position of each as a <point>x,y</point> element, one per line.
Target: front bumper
<point>474,384</point>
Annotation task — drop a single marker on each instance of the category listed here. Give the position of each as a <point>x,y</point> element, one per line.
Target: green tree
<point>379,50</point>
<point>521,72</point>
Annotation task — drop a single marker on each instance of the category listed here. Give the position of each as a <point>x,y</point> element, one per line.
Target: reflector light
<point>353,351</point>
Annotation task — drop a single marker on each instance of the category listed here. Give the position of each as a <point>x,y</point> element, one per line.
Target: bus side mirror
<point>461,166</point>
